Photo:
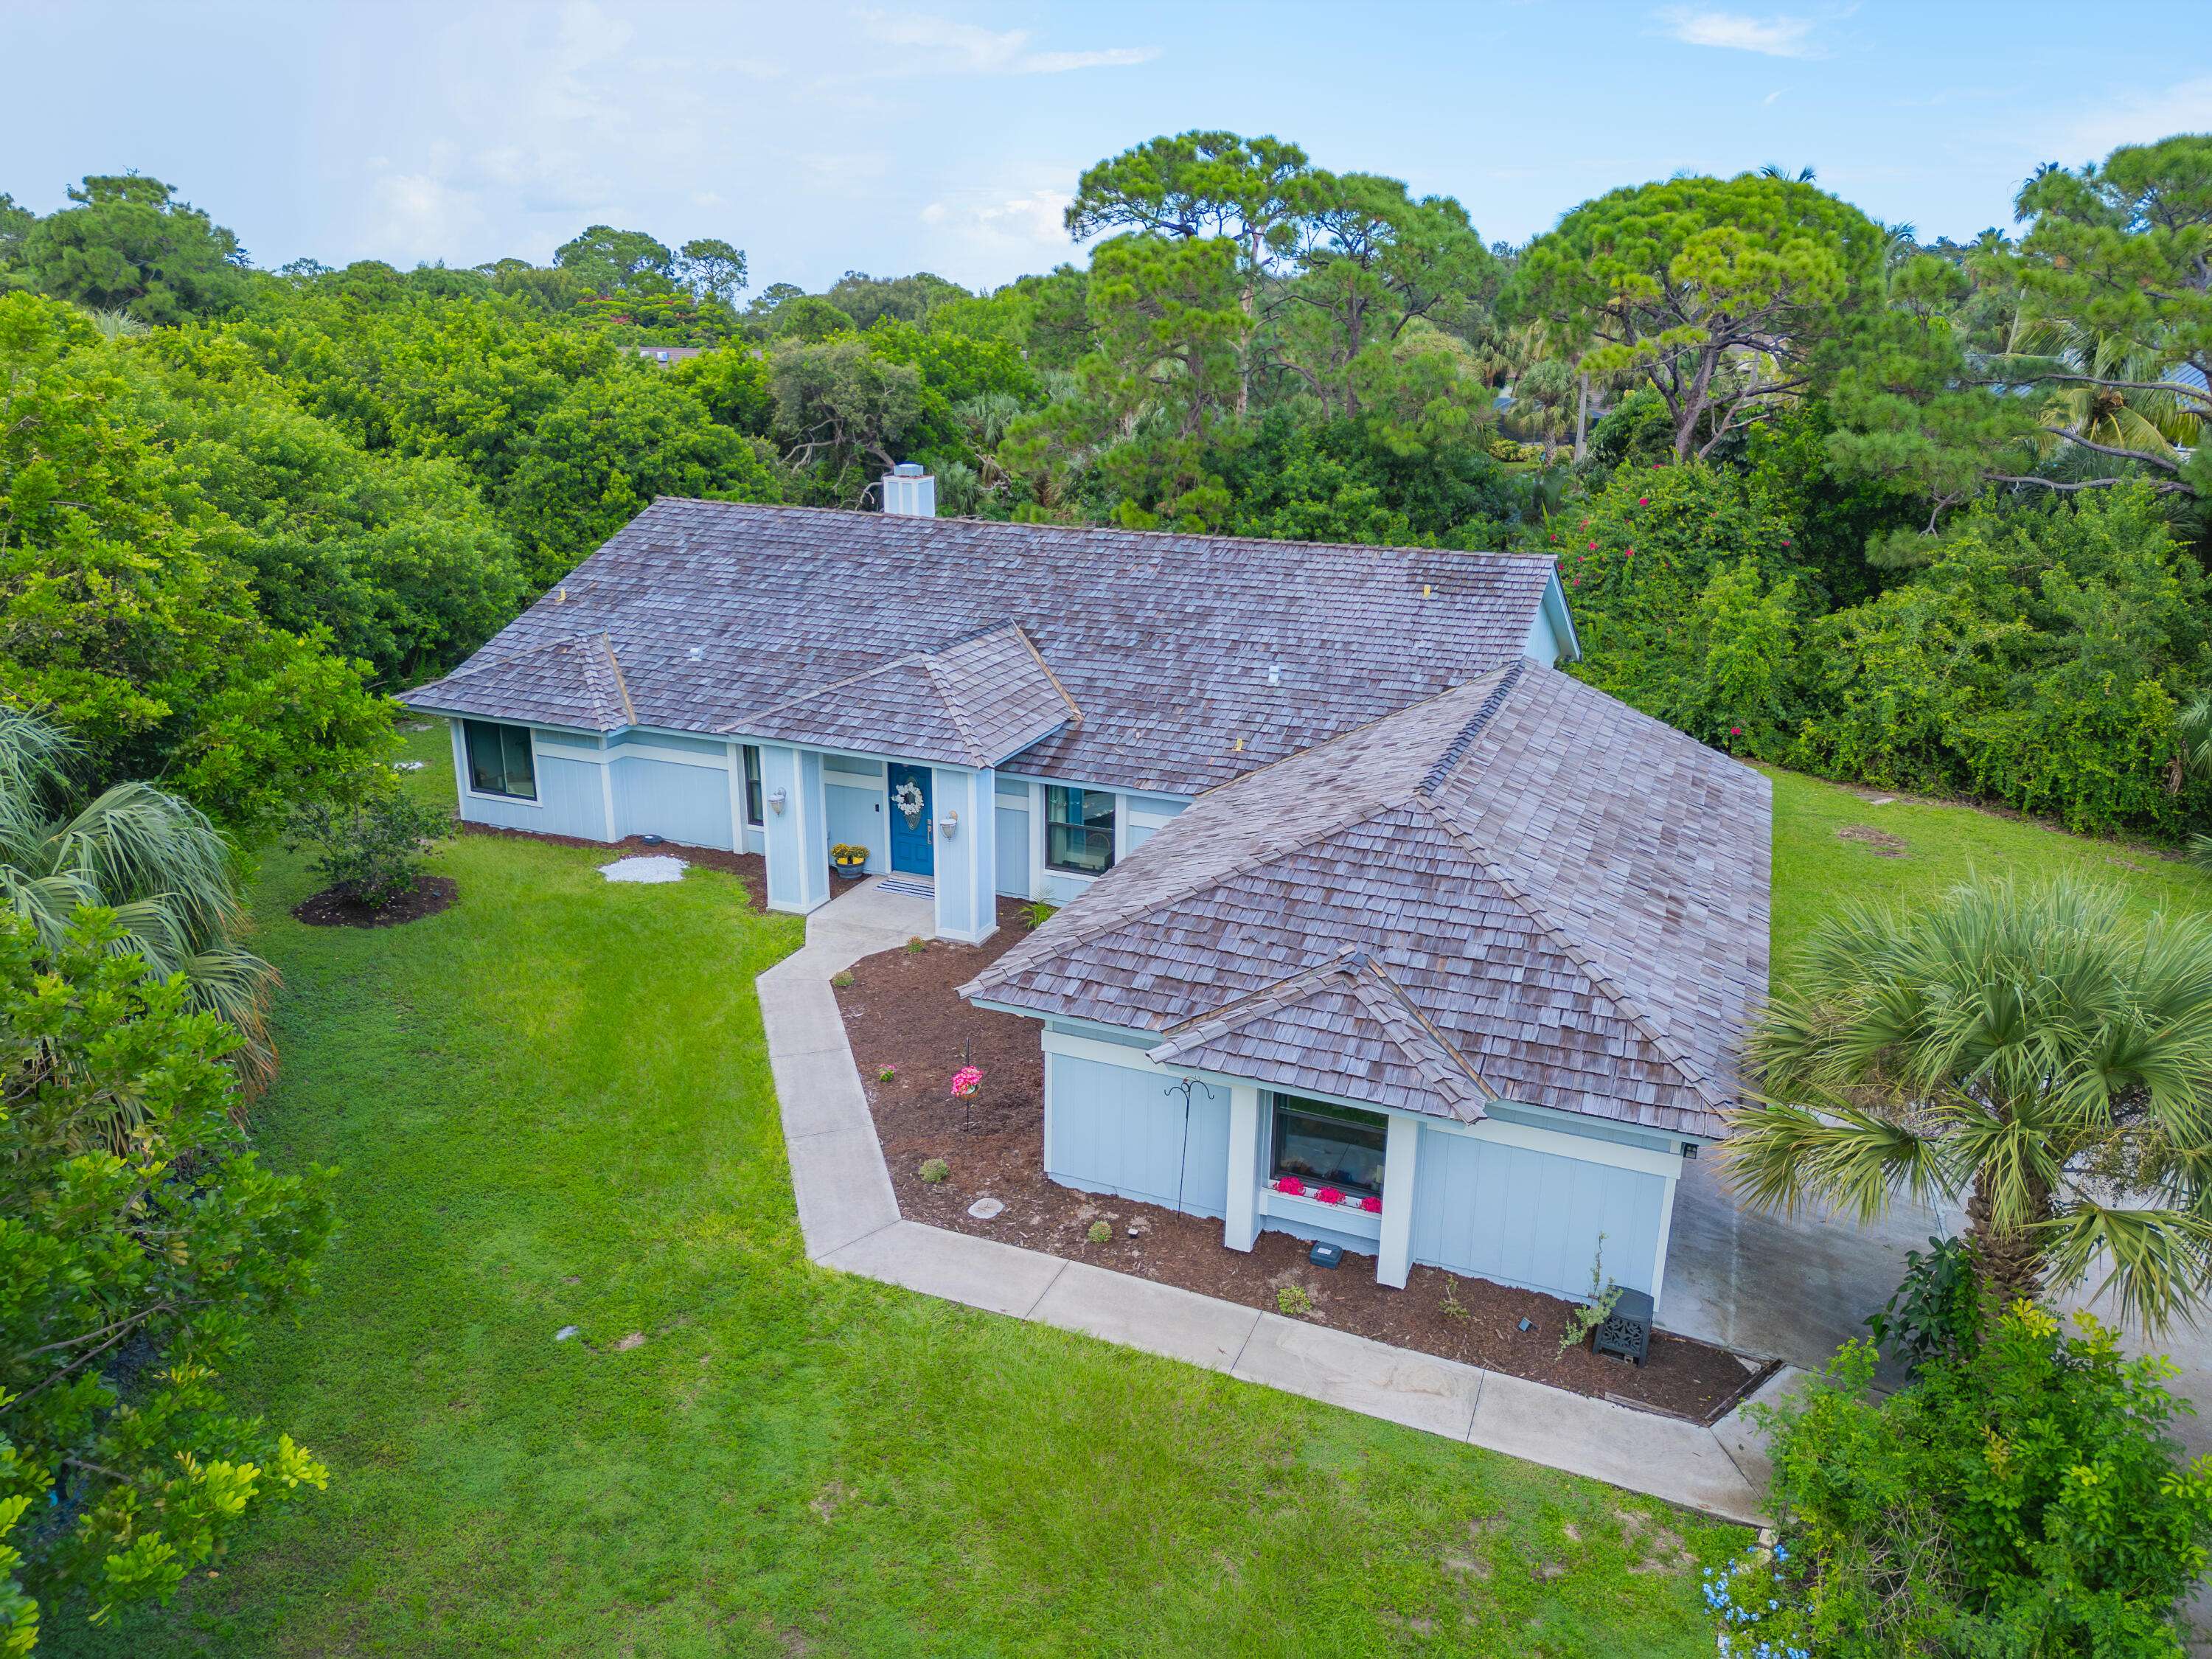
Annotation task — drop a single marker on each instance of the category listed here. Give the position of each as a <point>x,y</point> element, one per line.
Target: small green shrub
<point>1099,1233</point>
<point>1936,1310</point>
<point>916,945</point>
<point>1603,1297</point>
<point>842,982</point>
<point>885,1073</point>
<point>935,1170</point>
<point>1036,913</point>
<point>369,842</point>
<point>1294,1301</point>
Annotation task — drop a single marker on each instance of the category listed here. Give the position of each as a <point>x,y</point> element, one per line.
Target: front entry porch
<point>929,823</point>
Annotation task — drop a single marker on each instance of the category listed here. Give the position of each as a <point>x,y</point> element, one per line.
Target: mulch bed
<point>749,867</point>
<point>332,908</point>
<point>902,1013</point>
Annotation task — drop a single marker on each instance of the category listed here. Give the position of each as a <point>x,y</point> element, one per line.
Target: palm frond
<point>1780,1157</point>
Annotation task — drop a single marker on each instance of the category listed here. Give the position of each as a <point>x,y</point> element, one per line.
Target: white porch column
<point>1394,1256</point>
<point>1242,1229</point>
<point>966,858</point>
<point>799,833</point>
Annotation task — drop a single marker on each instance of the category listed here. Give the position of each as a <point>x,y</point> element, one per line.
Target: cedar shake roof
<point>974,703</point>
<point>1521,890</point>
<point>1162,641</point>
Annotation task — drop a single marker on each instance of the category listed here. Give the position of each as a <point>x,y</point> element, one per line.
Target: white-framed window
<point>1079,829</point>
<point>756,812</point>
<point>499,760</point>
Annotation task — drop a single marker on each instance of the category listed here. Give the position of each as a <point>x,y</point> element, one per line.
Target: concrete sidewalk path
<point>849,1216</point>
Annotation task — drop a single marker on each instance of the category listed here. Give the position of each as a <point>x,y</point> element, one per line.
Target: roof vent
<point>697,653</point>
<point>910,492</point>
<point>1274,673</point>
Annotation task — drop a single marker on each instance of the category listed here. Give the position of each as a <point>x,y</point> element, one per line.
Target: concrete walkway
<point>850,1217</point>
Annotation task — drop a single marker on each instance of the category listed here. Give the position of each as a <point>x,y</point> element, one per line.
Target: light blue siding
<point>569,802</point>
<point>686,804</point>
<point>1013,850</point>
<point>1532,1219</point>
<point>1064,890</point>
<point>948,793</point>
<point>856,819</point>
<point>1112,1129</point>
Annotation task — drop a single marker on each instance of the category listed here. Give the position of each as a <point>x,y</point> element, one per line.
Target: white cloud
<point>934,214</point>
<point>424,217</point>
<point>981,52</point>
<point>1772,96</point>
<point>2140,118</point>
<point>1775,37</point>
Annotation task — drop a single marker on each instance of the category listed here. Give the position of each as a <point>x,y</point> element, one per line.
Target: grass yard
<point>1813,868</point>
<point>551,1106</point>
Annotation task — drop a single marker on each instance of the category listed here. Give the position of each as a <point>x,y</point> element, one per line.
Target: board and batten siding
<point>1125,1130</point>
<point>571,799</point>
<point>1516,1215</point>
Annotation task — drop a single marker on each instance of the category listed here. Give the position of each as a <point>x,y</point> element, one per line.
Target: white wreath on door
<point>907,798</point>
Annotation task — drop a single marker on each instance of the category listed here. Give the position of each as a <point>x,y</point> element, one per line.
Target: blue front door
<point>911,850</point>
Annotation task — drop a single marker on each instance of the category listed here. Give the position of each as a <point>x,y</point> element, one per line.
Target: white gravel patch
<point>659,867</point>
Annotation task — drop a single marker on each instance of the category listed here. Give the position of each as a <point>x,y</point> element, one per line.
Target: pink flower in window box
<point>1372,1206</point>
<point>1329,1195</point>
<point>1293,1185</point>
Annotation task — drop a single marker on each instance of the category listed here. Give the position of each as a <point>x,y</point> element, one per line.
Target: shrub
<point>1294,1301</point>
<point>1936,1311</point>
<point>2022,1497</point>
<point>935,1170</point>
<point>370,844</point>
<point>1099,1233</point>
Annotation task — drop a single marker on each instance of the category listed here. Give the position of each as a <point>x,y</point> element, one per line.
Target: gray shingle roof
<point>571,680</point>
<point>1163,640</point>
<point>1521,888</point>
<point>974,703</point>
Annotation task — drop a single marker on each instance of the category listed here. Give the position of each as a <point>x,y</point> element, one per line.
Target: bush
<point>371,844</point>
<point>2021,1498</point>
<point>1936,1309</point>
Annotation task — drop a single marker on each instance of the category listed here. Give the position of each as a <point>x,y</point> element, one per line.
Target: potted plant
<point>850,862</point>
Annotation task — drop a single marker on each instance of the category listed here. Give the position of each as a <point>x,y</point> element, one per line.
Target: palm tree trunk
<point>2009,1259</point>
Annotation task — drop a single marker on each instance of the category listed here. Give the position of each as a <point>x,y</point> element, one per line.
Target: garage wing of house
<point>1486,962</point>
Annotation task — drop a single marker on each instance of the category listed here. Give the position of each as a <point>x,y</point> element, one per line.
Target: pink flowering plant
<point>1372,1206</point>
<point>965,1082</point>
<point>1293,1185</point>
<point>1329,1195</point>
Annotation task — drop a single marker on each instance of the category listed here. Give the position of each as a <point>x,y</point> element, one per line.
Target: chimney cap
<point>906,470</point>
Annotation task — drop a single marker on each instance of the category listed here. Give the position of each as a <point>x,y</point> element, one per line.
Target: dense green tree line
<point>1829,494</point>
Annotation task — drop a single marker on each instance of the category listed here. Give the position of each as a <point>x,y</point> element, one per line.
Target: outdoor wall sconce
<point>948,824</point>
<point>775,799</point>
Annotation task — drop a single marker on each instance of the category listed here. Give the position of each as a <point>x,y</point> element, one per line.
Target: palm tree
<point>2025,1047</point>
<point>169,875</point>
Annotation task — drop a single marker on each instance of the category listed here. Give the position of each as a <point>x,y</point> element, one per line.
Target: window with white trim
<point>1079,830</point>
<point>754,809</point>
<point>500,761</point>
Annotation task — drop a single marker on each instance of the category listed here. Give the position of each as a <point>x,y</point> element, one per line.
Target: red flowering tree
<point>1684,597</point>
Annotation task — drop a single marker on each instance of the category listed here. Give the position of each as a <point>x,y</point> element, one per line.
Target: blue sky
<point>886,138</point>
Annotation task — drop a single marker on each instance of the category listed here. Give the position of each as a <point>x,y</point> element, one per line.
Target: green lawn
<point>551,1106</point>
<point>1814,867</point>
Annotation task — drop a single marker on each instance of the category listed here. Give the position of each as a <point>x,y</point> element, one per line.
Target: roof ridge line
<point>1455,751</point>
<point>1404,1002</point>
<point>1669,1048</point>
<point>621,685</point>
<point>1074,708</point>
<point>952,710</point>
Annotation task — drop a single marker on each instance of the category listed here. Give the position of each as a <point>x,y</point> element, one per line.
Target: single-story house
<point>1358,893</point>
<point>988,708</point>
<point>1463,987</point>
